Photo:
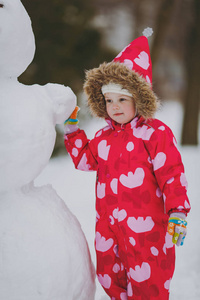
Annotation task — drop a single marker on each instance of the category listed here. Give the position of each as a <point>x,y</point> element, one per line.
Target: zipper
<point>122,127</point>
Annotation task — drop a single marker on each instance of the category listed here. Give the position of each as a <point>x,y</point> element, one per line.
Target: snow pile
<point>15,31</point>
<point>43,251</point>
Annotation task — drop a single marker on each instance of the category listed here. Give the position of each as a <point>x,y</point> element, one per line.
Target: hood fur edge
<point>145,99</point>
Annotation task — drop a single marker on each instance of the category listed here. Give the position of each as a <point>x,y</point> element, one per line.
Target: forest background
<point>75,35</point>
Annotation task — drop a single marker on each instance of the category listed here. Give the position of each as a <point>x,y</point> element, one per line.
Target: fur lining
<point>145,99</point>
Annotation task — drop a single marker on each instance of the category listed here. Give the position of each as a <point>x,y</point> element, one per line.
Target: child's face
<point>120,108</point>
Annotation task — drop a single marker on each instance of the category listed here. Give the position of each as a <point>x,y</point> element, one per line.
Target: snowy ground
<point>76,188</point>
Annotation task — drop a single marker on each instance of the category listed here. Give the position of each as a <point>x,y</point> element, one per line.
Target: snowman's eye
<point>1,5</point>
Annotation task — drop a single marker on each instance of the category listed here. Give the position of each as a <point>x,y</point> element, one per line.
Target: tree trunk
<point>161,25</point>
<point>192,95</point>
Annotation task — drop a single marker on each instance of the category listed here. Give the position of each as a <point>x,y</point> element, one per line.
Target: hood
<point>146,101</point>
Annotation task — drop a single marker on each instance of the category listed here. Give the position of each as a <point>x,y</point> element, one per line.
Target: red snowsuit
<point>140,180</point>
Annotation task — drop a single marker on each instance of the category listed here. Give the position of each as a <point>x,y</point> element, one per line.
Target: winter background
<point>77,189</point>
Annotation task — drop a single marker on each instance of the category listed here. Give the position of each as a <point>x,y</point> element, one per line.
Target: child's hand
<point>70,125</point>
<point>72,120</point>
<point>177,228</point>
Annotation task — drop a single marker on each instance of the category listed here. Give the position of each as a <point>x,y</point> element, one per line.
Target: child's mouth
<point>118,114</point>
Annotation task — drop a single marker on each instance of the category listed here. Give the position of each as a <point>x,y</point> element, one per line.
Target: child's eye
<point>108,100</point>
<point>122,99</point>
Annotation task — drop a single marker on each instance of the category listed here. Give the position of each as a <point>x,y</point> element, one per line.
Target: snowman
<point>43,251</point>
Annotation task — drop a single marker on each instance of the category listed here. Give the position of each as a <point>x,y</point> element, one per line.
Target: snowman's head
<point>17,43</point>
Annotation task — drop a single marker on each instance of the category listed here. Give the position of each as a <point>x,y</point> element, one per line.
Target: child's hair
<point>146,101</point>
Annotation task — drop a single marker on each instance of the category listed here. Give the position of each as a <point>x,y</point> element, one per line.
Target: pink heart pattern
<point>101,190</point>
<point>167,284</point>
<point>144,133</point>
<point>129,290</point>
<point>120,215</point>
<point>114,185</point>
<point>120,54</point>
<point>140,224</point>
<point>183,180</point>
<point>123,296</point>
<point>159,160</point>
<point>140,274</point>
<point>128,63</point>
<point>142,60</point>
<point>102,244</point>
<point>105,280</point>
<point>168,243</point>
<point>83,164</point>
<point>103,150</point>
<point>133,180</point>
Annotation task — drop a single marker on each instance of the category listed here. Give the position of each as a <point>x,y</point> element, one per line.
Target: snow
<point>43,251</point>
<point>15,58</point>
<point>78,191</point>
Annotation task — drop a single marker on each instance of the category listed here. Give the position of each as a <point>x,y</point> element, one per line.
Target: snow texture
<point>43,250</point>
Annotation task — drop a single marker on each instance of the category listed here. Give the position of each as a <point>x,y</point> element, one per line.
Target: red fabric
<point>137,57</point>
<point>140,180</point>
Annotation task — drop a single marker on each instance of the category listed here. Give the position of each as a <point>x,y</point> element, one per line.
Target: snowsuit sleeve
<point>169,170</point>
<point>81,150</point>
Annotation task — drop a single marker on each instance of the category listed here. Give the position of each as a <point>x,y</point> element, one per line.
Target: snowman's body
<point>44,255</point>
<point>27,127</point>
<point>43,251</point>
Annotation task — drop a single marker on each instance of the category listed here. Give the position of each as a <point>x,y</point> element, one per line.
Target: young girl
<point>140,187</point>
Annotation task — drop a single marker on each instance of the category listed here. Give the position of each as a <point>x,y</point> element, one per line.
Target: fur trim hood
<point>145,99</point>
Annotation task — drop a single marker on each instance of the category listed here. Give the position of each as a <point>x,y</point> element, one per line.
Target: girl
<point>140,187</point>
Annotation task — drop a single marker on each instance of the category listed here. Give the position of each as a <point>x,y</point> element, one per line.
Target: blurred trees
<point>183,18</point>
<point>66,42</point>
<point>70,38</point>
<point>66,45</point>
<point>175,56</point>
<point>192,95</point>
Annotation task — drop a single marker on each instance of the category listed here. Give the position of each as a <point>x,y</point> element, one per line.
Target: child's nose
<point>115,106</point>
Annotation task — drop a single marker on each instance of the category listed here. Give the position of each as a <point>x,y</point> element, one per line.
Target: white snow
<point>15,29</point>
<point>43,251</point>
<point>78,190</point>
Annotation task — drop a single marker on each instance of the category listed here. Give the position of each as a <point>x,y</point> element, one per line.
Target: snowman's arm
<point>63,101</point>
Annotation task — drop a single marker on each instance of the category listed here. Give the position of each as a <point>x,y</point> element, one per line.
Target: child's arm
<point>81,150</point>
<point>169,172</point>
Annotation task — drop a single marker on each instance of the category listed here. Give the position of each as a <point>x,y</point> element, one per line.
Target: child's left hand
<point>70,125</point>
<point>72,120</point>
<point>177,228</point>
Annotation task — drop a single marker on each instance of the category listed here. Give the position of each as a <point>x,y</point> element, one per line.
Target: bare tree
<point>174,24</point>
<point>161,26</point>
<point>192,95</point>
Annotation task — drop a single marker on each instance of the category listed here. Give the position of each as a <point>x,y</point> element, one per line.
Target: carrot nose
<point>74,114</point>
